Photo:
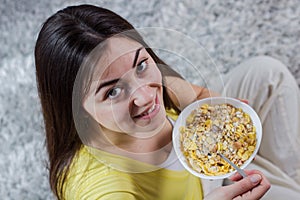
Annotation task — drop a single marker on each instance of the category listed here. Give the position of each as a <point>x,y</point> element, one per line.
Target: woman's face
<point>126,92</point>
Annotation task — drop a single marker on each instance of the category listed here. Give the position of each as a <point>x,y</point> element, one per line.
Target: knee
<point>268,69</point>
<point>267,64</point>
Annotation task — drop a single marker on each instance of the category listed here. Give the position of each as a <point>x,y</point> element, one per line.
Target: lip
<point>154,110</point>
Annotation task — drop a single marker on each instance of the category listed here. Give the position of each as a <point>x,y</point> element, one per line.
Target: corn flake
<point>213,129</point>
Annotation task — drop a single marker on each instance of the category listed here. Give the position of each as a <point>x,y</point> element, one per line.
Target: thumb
<point>236,189</point>
<point>244,185</point>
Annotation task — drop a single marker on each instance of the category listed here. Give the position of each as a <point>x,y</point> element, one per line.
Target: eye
<point>142,66</point>
<point>113,93</point>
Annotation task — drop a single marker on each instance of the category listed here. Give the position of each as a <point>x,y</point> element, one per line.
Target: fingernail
<point>255,178</point>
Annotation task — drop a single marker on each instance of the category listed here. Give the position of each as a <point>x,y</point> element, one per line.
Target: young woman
<point>108,103</point>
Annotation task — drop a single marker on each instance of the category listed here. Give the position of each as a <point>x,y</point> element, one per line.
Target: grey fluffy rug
<point>230,31</point>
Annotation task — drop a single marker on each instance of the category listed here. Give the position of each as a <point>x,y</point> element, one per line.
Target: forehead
<point>118,53</point>
<point>118,47</point>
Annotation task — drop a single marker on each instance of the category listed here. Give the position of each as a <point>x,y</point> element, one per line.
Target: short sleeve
<point>93,185</point>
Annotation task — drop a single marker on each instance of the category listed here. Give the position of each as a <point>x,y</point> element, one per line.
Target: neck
<point>154,149</point>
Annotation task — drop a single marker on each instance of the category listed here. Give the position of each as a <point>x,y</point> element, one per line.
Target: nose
<point>143,95</point>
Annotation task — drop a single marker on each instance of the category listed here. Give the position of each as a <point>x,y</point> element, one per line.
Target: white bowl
<point>213,101</point>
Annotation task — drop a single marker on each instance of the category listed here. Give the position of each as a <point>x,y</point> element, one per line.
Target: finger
<point>236,176</point>
<point>245,185</point>
<point>260,189</point>
<point>244,100</point>
<point>247,188</point>
<point>256,193</point>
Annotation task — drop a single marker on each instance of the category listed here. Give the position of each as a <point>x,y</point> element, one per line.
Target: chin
<point>144,134</point>
<point>150,129</point>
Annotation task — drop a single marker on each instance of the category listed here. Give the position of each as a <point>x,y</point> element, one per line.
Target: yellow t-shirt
<point>95,174</point>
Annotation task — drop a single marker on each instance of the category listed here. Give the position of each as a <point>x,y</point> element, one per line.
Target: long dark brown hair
<point>65,39</point>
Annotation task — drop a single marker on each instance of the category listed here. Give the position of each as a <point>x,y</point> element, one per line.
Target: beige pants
<point>273,92</point>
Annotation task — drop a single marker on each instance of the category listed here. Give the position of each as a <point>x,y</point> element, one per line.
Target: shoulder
<point>88,178</point>
<point>183,92</point>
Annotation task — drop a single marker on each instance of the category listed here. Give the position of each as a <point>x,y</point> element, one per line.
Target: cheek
<point>113,116</point>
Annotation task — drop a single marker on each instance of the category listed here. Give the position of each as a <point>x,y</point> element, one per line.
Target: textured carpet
<point>230,31</point>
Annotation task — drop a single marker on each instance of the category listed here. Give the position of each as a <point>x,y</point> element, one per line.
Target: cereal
<point>213,129</point>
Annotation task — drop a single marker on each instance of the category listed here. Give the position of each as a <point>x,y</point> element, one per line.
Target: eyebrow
<point>113,81</point>
<point>137,53</point>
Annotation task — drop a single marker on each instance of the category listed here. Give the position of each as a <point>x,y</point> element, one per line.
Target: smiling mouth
<point>151,112</point>
<point>148,112</point>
